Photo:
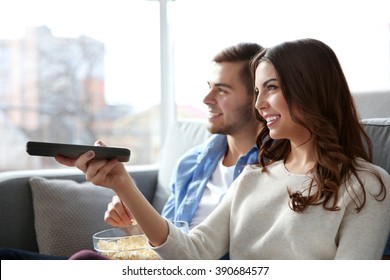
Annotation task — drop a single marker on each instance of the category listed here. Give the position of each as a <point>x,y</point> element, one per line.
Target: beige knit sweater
<point>254,221</point>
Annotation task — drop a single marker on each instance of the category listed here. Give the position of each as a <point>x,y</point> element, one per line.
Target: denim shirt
<point>192,172</point>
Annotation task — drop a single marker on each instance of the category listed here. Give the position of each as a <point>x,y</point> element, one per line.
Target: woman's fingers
<point>98,171</point>
<point>65,161</point>
<point>100,143</point>
<point>117,213</point>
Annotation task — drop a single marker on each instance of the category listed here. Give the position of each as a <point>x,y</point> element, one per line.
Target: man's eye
<point>221,90</point>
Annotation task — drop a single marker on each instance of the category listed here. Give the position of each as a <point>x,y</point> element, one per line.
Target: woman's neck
<point>301,158</point>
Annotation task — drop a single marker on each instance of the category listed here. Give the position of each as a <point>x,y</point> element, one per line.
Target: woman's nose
<point>260,102</point>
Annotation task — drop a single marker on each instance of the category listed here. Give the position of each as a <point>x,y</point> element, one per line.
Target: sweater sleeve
<point>208,240</point>
<point>364,235</point>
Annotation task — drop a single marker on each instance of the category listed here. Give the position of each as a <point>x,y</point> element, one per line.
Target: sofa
<point>56,212</point>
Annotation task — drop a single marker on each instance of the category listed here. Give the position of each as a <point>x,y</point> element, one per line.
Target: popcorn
<point>134,247</point>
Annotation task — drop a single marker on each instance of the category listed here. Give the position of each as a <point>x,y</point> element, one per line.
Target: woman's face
<point>273,107</point>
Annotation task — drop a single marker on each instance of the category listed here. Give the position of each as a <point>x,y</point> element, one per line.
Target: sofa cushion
<point>182,136</point>
<point>67,214</point>
<point>378,129</point>
<point>373,104</point>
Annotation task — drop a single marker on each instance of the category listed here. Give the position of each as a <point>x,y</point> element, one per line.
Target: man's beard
<point>241,117</point>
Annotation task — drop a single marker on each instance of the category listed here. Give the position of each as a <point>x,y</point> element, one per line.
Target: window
<point>76,71</point>
<point>358,32</point>
<point>4,66</point>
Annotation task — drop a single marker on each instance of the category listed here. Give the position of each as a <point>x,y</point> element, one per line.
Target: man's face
<point>230,106</point>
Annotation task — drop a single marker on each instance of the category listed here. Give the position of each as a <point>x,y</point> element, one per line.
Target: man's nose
<point>209,98</point>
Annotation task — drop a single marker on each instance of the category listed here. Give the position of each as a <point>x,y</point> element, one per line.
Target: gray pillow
<point>67,214</point>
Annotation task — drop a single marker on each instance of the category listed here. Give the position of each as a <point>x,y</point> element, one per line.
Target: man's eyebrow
<point>222,85</point>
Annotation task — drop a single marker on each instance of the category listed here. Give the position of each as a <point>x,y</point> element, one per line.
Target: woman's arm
<point>363,235</point>
<point>112,174</point>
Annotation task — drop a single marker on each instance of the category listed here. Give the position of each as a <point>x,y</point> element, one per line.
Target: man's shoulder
<point>213,147</point>
<point>215,143</point>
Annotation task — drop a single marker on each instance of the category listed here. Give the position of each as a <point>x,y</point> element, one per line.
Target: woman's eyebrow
<point>268,81</point>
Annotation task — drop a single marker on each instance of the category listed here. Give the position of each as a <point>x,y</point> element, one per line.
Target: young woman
<point>314,195</point>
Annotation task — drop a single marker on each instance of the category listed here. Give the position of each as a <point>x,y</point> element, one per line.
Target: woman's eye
<point>271,87</point>
<point>257,91</point>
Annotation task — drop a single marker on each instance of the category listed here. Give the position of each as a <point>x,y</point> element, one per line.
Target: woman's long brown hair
<point>318,97</point>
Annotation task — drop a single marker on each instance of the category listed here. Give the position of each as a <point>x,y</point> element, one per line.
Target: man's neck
<point>238,145</point>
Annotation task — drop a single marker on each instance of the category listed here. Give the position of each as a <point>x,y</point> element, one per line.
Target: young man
<point>203,175</point>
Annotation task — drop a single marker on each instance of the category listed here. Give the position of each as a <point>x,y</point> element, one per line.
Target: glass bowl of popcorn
<point>128,243</point>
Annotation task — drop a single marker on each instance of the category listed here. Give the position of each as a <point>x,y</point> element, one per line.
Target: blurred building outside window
<point>72,72</point>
